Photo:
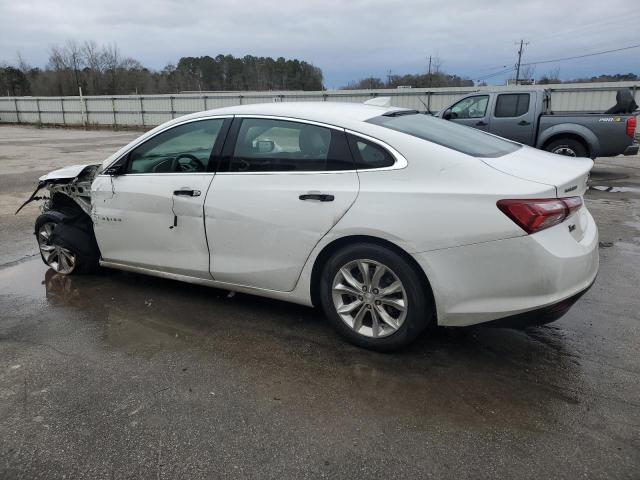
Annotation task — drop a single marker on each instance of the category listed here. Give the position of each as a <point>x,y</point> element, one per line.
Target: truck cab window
<point>512,104</point>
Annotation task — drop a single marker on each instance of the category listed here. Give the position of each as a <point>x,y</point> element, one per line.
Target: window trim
<point>212,159</point>
<point>495,106</point>
<point>399,160</point>
<point>486,107</point>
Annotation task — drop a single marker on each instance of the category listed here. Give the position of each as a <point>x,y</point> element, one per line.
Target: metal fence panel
<point>152,110</point>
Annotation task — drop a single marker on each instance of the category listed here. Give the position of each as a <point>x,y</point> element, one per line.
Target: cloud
<point>347,39</point>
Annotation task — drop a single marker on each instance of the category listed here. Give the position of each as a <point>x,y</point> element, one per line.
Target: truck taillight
<point>631,126</point>
<point>533,215</point>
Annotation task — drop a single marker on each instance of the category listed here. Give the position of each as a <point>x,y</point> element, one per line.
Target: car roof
<point>334,113</point>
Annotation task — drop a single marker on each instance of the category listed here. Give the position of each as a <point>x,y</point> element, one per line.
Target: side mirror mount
<point>114,170</point>
<point>447,114</point>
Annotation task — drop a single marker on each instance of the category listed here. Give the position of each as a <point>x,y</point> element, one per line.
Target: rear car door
<point>472,111</point>
<point>282,185</point>
<point>151,215</point>
<point>514,117</point>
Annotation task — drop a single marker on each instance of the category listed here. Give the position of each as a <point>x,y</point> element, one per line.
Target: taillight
<point>533,215</point>
<point>631,126</point>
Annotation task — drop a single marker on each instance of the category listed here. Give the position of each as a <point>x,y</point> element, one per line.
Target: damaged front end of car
<point>73,182</point>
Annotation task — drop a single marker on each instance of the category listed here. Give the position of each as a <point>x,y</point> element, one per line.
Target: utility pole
<point>389,79</point>
<point>429,85</point>
<point>522,44</point>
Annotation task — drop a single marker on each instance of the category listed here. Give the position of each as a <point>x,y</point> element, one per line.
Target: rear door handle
<point>322,197</point>
<point>523,123</point>
<point>481,124</point>
<point>186,193</point>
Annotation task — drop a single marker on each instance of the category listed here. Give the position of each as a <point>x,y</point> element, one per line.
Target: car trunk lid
<point>568,175</point>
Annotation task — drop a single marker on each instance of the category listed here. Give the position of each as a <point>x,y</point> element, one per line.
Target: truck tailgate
<point>568,175</point>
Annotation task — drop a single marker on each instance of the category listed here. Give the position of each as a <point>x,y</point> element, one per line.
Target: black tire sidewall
<point>574,145</point>
<point>420,305</point>
<point>79,242</point>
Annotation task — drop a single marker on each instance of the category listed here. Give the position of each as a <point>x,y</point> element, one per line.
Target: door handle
<point>186,193</point>
<point>523,123</point>
<point>322,197</point>
<point>481,124</point>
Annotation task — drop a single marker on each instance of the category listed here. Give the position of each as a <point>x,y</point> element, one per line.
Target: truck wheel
<point>374,298</point>
<point>568,147</point>
<point>64,247</point>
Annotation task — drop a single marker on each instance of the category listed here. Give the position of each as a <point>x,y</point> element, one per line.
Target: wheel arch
<point>574,132</point>
<point>342,242</point>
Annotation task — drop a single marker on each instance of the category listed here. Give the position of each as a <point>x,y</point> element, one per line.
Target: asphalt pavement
<point>118,375</point>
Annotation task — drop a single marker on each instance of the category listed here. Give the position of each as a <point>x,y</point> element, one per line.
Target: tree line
<point>104,70</point>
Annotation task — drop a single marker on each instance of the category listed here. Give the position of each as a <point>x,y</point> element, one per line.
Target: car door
<point>151,215</point>
<point>472,111</point>
<point>282,186</point>
<point>514,117</point>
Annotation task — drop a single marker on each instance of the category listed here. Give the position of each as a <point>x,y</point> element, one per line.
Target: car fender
<point>593,144</point>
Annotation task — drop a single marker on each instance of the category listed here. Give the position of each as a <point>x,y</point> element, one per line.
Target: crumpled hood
<point>71,171</point>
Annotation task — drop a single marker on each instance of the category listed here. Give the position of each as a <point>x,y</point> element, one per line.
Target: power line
<point>510,69</point>
<point>583,56</point>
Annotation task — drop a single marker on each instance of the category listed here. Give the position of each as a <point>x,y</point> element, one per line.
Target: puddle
<point>615,189</point>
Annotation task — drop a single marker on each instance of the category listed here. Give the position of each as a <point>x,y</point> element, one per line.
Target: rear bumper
<point>488,281</point>
<point>632,149</point>
<point>539,316</point>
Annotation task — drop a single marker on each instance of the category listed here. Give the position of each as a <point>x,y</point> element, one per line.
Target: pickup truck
<point>525,116</point>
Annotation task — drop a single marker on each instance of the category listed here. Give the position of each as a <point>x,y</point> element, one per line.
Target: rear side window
<point>512,104</point>
<point>448,134</point>
<point>369,155</point>
<point>266,145</point>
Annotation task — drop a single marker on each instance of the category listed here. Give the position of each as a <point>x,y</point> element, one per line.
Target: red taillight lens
<point>631,126</point>
<point>533,215</point>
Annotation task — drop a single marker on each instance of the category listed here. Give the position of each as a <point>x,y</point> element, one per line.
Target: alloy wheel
<point>370,298</point>
<point>566,151</point>
<point>60,259</point>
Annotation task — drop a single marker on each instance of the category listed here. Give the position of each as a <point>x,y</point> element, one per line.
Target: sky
<point>348,39</point>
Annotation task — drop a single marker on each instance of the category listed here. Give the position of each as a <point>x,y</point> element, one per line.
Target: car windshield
<point>457,137</point>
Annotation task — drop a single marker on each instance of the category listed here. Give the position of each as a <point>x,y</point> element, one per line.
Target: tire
<point>419,309</point>
<point>568,147</point>
<point>66,247</point>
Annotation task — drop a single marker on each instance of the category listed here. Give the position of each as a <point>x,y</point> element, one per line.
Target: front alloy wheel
<point>60,259</point>
<point>370,298</point>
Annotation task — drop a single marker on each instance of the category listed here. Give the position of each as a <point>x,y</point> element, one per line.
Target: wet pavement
<point>119,375</point>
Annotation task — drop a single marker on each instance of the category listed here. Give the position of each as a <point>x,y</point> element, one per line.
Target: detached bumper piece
<point>540,316</point>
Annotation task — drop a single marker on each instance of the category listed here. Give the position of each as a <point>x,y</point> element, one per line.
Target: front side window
<point>266,145</point>
<point>512,104</point>
<point>182,149</point>
<point>448,134</point>
<point>470,107</point>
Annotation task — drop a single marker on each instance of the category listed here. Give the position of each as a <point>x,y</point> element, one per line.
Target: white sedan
<point>388,219</point>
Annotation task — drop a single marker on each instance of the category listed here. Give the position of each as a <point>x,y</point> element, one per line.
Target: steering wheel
<point>191,165</point>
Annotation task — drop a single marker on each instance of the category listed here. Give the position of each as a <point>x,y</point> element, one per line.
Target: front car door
<point>514,117</point>
<point>152,215</point>
<point>472,111</point>
<point>282,185</point>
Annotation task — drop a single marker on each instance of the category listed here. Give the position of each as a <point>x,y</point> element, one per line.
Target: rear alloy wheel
<point>374,297</point>
<point>59,258</point>
<point>370,298</point>
<point>567,147</point>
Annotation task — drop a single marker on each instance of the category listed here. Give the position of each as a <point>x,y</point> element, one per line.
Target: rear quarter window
<point>460,138</point>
